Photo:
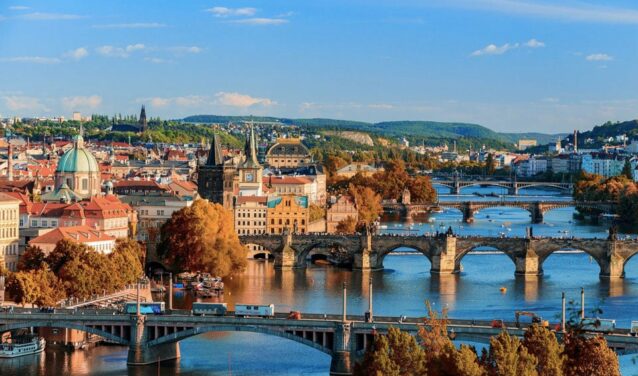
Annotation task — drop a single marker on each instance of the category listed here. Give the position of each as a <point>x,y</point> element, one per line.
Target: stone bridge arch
<point>425,250</point>
<point>465,251</point>
<point>323,343</point>
<point>122,339</point>
<point>504,185</point>
<point>303,250</point>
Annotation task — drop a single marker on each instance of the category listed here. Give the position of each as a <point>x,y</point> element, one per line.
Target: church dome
<point>78,159</point>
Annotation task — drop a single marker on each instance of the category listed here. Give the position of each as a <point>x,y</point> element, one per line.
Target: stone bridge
<point>537,209</point>
<point>445,252</point>
<point>512,186</point>
<point>155,338</point>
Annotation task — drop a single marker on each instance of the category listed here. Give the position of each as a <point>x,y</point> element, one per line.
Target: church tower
<point>142,122</point>
<point>250,171</point>
<point>210,177</point>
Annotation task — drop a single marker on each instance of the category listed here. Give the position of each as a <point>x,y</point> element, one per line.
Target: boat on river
<point>21,346</point>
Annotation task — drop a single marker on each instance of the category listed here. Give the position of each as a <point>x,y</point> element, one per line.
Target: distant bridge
<point>156,338</point>
<point>445,252</point>
<point>537,209</point>
<point>455,185</point>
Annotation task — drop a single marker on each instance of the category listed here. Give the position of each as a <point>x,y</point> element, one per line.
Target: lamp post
<point>345,294</point>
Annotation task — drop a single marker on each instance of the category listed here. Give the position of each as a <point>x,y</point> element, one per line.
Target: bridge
<point>155,338</point>
<point>513,186</point>
<point>537,209</point>
<point>445,251</point>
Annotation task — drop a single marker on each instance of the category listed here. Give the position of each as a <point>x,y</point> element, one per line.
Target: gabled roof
<point>79,234</point>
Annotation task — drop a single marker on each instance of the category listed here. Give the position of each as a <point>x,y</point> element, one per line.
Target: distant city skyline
<point>512,66</point>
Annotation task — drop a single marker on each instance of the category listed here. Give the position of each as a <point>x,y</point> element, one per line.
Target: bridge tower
<point>366,259</point>
<point>286,257</point>
<point>444,261</point>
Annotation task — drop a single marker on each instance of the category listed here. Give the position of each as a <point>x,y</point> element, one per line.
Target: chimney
<point>575,140</point>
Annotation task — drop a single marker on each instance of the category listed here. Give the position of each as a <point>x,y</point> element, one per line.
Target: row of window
<point>157,212</point>
<point>9,250</point>
<point>42,223</point>
<point>8,214</point>
<point>256,231</point>
<point>281,230</point>
<point>8,233</point>
<point>251,223</point>
<point>272,221</point>
<point>247,215</point>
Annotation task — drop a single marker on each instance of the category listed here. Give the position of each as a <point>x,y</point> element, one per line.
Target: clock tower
<point>250,171</point>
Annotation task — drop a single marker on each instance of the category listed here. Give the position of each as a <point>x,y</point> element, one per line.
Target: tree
<point>50,288</point>
<point>368,204</point>
<point>396,353</point>
<point>126,257</point>
<point>202,238</point>
<point>507,357</point>
<point>33,258</point>
<point>490,164</point>
<point>542,343</point>
<point>627,171</point>
<point>316,212</point>
<point>347,225</point>
<point>64,251</point>
<point>22,288</point>
<point>421,190</point>
<point>589,356</point>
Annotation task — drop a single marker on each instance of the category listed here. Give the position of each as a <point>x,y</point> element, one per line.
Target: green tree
<point>627,171</point>
<point>202,238</point>
<point>394,354</point>
<point>542,343</point>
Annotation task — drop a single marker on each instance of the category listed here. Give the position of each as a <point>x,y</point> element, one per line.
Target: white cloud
<point>121,52</point>
<point>533,43</point>
<point>227,12</point>
<point>80,102</point>
<point>159,102</point>
<point>492,49</point>
<point>182,101</point>
<point>180,50</point>
<point>157,60</point>
<point>261,21</point>
<point>599,57</point>
<point>39,16</point>
<point>580,12</point>
<point>78,53</point>
<point>30,59</point>
<point>241,100</point>
<point>18,7</point>
<point>136,25</point>
<point>20,103</point>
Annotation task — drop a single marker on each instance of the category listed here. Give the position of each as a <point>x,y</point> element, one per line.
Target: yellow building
<point>9,237</point>
<point>287,212</point>
<point>288,153</point>
<point>250,215</point>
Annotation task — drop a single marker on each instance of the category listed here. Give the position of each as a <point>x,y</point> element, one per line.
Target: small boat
<point>503,289</point>
<point>383,227</point>
<point>436,209</point>
<point>178,286</point>
<point>22,345</point>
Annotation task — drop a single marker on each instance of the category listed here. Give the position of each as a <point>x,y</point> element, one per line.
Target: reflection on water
<point>400,289</point>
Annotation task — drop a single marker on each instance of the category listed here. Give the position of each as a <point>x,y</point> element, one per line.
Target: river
<point>401,289</point>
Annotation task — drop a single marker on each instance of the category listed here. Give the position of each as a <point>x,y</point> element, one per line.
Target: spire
<point>142,121</point>
<point>79,139</point>
<point>251,149</point>
<point>215,156</point>
<point>10,163</point>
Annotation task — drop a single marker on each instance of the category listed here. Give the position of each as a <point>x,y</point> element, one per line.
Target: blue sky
<point>510,65</point>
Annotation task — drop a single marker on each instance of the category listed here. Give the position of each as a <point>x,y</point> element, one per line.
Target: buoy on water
<point>503,289</point>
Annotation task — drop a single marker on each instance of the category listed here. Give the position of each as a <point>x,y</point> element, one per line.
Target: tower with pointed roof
<point>215,177</point>
<point>250,171</point>
<point>142,121</point>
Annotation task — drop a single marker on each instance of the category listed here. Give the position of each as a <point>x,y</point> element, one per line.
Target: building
<point>531,166</point>
<point>524,144</point>
<point>153,210</point>
<point>287,213</point>
<point>604,164</point>
<point>216,178</point>
<point>340,209</point>
<point>96,239</point>
<point>357,168</point>
<point>77,175</point>
<point>292,185</point>
<point>9,231</point>
<point>288,153</point>
<point>137,187</point>
<point>250,215</point>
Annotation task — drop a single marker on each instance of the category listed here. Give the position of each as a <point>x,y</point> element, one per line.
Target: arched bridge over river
<point>455,185</point>
<point>537,209</point>
<point>156,338</point>
<point>445,252</point>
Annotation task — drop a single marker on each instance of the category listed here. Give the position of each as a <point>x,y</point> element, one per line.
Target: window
<point>85,184</point>
<point>34,223</point>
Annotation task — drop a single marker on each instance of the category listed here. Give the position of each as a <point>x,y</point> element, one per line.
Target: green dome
<point>78,159</point>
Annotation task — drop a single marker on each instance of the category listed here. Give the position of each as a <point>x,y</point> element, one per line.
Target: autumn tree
<point>421,190</point>
<point>202,238</point>
<point>508,357</point>
<point>589,356</point>
<point>22,287</point>
<point>394,354</point>
<point>33,258</point>
<point>490,164</point>
<point>39,287</point>
<point>316,212</point>
<point>347,225</point>
<point>542,343</point>
<point>368,204</point>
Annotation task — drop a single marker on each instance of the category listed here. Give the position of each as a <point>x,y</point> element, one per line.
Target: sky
<point>515,66</point>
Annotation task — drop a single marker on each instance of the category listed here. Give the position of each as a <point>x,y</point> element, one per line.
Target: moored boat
<point>21,346</point>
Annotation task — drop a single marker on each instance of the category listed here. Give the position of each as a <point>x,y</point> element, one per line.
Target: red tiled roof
<point>79,234</point>
<point>244,199</point>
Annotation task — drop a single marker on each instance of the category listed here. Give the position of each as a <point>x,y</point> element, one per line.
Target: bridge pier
<point>444,261</point>
<point>468,212</point>
<point>613,265</point>
<point>513,190</point>
<point>342,354</point>
<point>286,258</point>
<point>537,212</point>
<point>366,259</point>
<point>139,353</point>
<point>528,263</point>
